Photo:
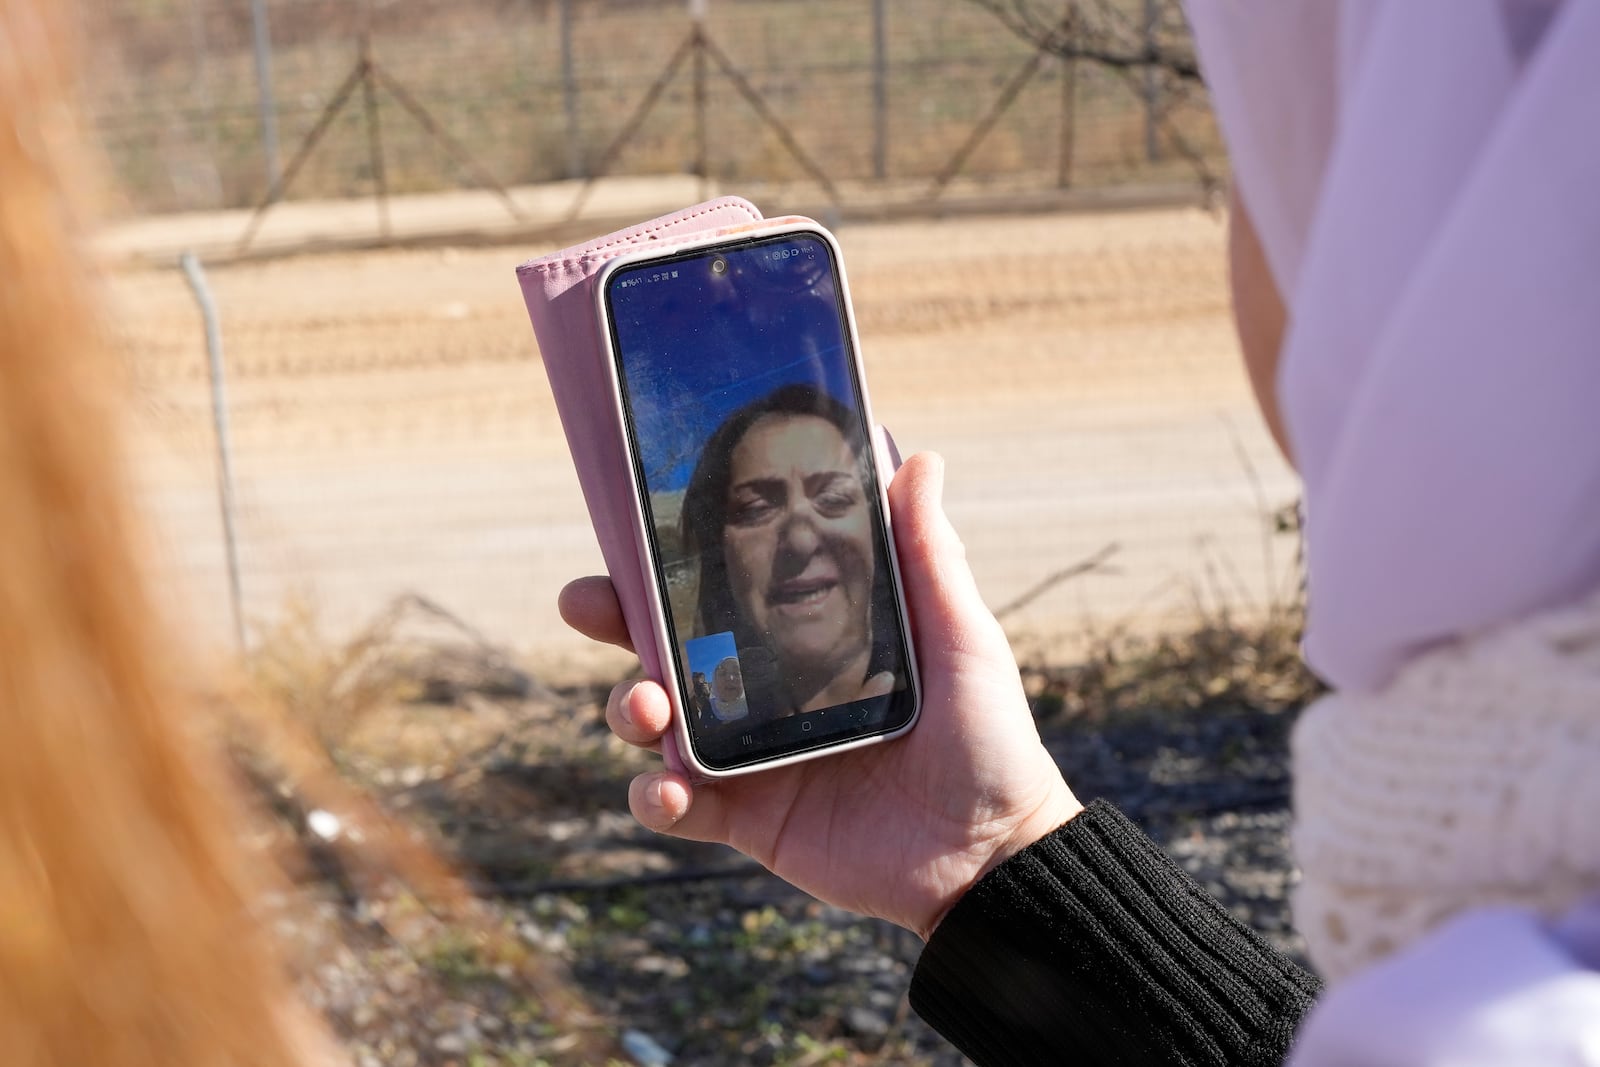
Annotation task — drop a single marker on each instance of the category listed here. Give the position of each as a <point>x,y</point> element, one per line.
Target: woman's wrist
<point>1058,808</point>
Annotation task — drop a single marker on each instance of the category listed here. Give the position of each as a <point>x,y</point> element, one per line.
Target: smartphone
<point>772,571</point>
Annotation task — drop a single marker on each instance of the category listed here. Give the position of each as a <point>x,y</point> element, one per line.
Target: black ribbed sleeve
<point>1093,947</point>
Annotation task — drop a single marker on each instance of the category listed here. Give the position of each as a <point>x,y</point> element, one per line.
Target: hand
<point>899,830</point>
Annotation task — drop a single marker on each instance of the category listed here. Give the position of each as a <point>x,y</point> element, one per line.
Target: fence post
<point>1069,102</point>
<point>880,91</point>
<point>702,168</point>
<point>264,97</point>
<point>219,413</point>
<point>569,95</point>
<point>1152,84</point>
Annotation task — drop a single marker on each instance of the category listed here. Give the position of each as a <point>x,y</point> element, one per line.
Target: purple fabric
<point>1494,988</point>
<point>1423,177</point>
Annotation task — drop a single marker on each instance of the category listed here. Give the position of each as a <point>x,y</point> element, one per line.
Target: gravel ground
<point>595,941</point>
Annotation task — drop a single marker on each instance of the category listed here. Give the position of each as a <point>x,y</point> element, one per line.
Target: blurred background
<point>201,103</point>
<point>356,478</point>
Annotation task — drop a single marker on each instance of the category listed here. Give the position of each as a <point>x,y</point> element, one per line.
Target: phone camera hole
<point>719,266</point>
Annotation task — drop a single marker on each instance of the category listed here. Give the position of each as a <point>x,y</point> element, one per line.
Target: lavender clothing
<point>1424,176</point>
<point>1495,987</point>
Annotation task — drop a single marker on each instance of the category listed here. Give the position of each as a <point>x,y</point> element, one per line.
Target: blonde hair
<point>125,938</point>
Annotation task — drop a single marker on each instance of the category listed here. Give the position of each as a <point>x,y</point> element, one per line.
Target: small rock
<point>551,941</point>
<point>325,824</point>
<point>819,975</point>
<point>864,1022</point>
<point>644,1049</point>
<point>670,966</point>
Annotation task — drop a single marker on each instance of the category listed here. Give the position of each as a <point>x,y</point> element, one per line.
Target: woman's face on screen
<point>798,542</point>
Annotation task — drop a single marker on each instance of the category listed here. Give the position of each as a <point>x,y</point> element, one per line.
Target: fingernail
<point>626,708</point>
<point>652,795</point>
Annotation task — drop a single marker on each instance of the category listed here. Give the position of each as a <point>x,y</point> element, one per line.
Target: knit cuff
<point>1092,947</point>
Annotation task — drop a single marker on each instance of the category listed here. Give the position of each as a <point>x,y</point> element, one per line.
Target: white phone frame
<point>883,468</point>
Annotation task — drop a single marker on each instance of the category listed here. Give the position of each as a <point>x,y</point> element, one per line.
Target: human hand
<point>899,830</point>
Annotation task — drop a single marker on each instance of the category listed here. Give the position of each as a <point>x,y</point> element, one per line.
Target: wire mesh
<point>537,90</point>
<point>393,430</point>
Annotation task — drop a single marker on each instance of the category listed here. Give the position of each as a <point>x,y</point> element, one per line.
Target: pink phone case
<point>559,290</point>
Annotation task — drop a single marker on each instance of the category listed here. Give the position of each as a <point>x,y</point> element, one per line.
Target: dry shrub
<point>1215,663</point>
<point>288,724</point>
<point>326,688</point>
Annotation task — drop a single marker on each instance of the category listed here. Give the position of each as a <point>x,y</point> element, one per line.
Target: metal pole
<point>281,185</point>
<point>775,124</point>
<point>569,94</point>
<point>459,151</point>
<point>374,136</point>
<point>1152,85</point>
<point>697,12</point>
<point>630,127</point>
<point>880,91</point>
<point>219,413</point>
<point>1018,82</point>
<point>268,109</point>
<point>1069,105</point>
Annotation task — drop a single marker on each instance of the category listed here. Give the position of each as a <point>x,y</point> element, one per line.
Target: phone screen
<point>740,393</point>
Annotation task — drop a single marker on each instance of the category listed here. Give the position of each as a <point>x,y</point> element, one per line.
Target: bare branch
<point>1101,32</point>
<point>1091,565</point>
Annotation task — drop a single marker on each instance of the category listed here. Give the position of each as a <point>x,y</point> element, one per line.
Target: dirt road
<point>393,430</point>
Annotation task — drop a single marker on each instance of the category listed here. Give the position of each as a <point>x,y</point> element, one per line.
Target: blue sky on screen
<point>697,346</point>
<point>708,651</point>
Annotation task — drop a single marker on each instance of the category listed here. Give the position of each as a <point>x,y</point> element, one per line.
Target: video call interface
<point>750,442</point>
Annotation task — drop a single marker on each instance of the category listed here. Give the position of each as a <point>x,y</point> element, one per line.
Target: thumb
<point>947,612</point>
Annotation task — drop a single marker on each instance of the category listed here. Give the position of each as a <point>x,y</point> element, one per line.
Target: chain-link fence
<point>392,432</point>
<point>203,103</point>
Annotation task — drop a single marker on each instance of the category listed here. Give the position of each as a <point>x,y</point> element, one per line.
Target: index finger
<point>589,606</point>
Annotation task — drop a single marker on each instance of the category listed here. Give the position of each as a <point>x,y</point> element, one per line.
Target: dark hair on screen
<point>705,505</point>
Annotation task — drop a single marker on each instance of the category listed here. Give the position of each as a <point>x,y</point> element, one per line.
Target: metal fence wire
<point>390,430</point>
<point>202,104</point>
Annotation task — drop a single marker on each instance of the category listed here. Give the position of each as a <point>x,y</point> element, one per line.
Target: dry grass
<point>527,791</point>
<point>298,728</point>
<point>327,688</point>
<point>1217,662</point>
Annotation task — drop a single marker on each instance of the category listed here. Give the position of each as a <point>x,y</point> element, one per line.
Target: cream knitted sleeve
<point>1473,779</point>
